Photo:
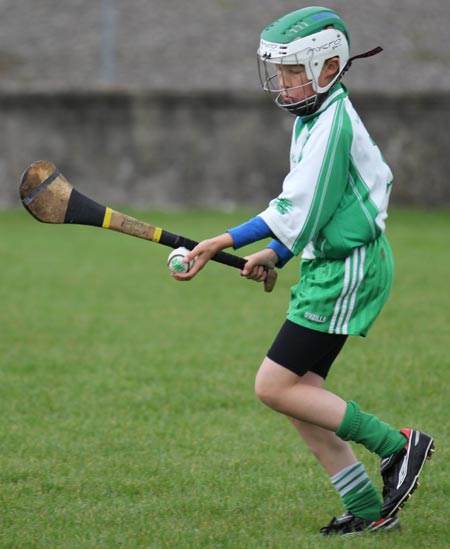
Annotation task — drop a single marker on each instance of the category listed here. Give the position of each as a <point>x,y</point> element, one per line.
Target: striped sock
<point>358,494</point>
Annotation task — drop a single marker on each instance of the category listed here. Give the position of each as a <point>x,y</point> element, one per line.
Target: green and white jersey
<point>335,197</point>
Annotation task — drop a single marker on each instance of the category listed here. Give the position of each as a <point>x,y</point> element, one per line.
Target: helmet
<point>307,37</point>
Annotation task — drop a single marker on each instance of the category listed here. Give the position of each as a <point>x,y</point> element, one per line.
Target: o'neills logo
<point>315,318</point>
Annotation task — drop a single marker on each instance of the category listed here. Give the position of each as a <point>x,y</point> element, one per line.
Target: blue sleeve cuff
<point>284,254</point>
<point>251,231</point>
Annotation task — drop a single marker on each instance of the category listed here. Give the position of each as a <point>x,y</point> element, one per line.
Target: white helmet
<point>305,37</point>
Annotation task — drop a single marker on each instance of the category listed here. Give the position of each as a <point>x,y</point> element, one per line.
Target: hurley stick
<point>50,198</point>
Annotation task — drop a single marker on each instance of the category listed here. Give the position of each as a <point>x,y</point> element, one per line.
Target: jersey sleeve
<point>313,188</point>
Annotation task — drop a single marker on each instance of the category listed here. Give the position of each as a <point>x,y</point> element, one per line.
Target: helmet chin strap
<point>369,53</point>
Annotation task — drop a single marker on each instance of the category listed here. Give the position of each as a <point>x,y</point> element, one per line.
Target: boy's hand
<point>202,253</point>
<point>255,268</point>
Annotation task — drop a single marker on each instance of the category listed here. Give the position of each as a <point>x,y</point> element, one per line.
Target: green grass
<point>126,399</point>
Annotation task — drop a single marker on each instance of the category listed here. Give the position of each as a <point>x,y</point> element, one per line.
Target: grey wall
<point>214,150</point>
<point>156,103</point>
<point>202,45</point>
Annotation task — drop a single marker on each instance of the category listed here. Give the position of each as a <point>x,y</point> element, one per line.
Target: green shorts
<point>343,296</point>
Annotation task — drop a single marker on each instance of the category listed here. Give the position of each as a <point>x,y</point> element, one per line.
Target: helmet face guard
<point>295,99</point>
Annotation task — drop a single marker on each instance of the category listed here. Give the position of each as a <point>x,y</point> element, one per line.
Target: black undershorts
<point>302,350</point>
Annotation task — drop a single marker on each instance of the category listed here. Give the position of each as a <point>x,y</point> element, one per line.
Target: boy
<point>331,209</point>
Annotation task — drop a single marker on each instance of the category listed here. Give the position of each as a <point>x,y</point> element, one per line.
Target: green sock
<point>358,494</point>
<point>368,430</point>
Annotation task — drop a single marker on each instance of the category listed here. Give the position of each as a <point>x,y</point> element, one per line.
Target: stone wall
<point>211,150</point>
<point>207,44</point>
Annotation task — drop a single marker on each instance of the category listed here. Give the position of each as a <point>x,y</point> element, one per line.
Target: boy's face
<point>294,84</point>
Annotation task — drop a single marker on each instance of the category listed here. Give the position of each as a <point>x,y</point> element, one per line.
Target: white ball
<point>175,261</point>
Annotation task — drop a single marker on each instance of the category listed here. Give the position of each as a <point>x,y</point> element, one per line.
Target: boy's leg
<point>285,392</point>
<point>403,453</point>
<point>298,350</point>
<point>282,390</point>
<point>296,353</point>
<point>302,349</point>
<point>358,494</point>
<point>332,453</point>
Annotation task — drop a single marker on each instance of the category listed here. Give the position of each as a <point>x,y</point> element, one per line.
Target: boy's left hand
<point>257,264</point>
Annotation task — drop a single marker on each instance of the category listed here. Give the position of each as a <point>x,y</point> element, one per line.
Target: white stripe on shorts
<point>344,291</point>
<point>345,304</point>
<point>355,291</point>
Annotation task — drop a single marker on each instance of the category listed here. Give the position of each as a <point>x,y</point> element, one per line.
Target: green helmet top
<point>302,23</point>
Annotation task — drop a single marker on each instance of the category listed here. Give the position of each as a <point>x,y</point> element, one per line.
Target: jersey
<point>335,196</point>
<point>332,209</point>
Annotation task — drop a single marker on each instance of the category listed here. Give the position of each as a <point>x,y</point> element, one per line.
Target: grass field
<point>127,410</point>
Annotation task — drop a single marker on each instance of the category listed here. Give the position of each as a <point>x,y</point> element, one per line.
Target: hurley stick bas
<point>50,198</point>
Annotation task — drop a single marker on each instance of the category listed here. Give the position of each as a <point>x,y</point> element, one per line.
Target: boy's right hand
<point>202,253</point>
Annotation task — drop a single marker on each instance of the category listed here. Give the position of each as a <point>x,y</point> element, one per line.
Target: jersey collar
<point>337,92</point>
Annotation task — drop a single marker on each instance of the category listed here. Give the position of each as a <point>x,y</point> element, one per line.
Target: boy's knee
<point>273,384</point>
<point>267,391</point>
<point>262,390</point>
